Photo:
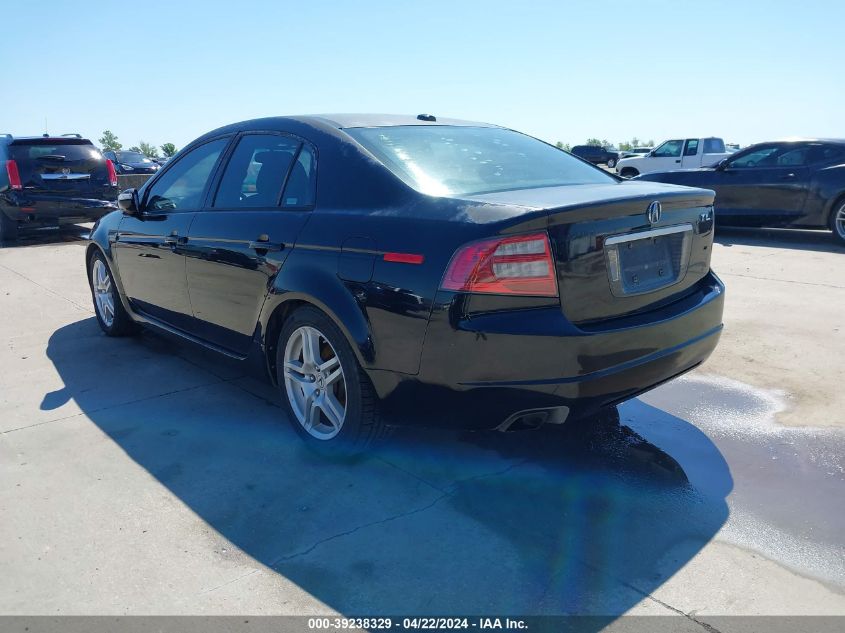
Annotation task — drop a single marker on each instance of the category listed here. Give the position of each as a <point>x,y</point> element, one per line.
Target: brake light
<point>112,172</point>
<point>519,265</point>
<point>14,175</point>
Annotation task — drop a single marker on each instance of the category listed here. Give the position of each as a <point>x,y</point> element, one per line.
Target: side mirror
<point>128,202</point>
<point>722,165</point>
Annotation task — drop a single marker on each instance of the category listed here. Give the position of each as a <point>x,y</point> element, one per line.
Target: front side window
<point>770,156</point>
<point>256,172</point>
<point>181,187</point>
<point>691,148</point>
<point>446,160</point>
<point>669,149</point>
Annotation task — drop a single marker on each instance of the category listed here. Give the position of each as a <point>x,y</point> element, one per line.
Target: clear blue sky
<point>169,71</point>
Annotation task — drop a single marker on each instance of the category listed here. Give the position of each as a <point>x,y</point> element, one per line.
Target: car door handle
<point>263,243</point>
<point>787,177</point>
<point>678,160</point>
<point>174,240</point>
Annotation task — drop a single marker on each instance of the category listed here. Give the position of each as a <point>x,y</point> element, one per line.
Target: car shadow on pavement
<point>49,236</point>
<point>798,239</point>
<point>587,519</point>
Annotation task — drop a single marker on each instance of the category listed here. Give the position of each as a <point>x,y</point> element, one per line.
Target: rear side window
<point>182,185</point>
<point>256,172</point>
<point>714,146</point>
<point>826,153</point>
<point>299,190</point>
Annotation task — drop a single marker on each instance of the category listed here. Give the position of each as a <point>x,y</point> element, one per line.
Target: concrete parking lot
<point>144,476</point>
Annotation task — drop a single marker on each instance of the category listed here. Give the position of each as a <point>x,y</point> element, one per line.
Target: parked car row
<point>796,183</point>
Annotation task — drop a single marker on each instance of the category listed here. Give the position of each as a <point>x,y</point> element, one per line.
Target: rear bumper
<point>41,209</point>
<point>479,372</point>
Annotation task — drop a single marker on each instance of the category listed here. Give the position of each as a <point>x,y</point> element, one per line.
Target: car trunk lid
<point>611,258</point>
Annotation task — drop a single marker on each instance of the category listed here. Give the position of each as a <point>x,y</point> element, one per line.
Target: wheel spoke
<point>312,411</point>
<point>310,347</point>
<point>332,408</point>
<point>329,364</point>
<point>334,376</point>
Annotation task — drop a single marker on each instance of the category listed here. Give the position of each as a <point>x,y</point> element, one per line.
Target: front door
<point>239,243</point>
<point>149,249</point>
<point>666,157</point>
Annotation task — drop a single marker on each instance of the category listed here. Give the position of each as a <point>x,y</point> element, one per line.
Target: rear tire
<point>8,228</point>
<point>837,220</point>
<point>330,401</point>
<point>611,163</point>
<point>111,315</point>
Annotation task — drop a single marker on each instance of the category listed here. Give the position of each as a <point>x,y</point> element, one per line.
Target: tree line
<point>108,141</point>
<point>623,146</point>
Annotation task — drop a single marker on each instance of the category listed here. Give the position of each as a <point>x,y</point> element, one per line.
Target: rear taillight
<point>519,265</point>
<point>14,175</point>
<point>112,172</point>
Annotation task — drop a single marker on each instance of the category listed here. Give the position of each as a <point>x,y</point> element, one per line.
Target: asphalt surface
<point>145,476</point>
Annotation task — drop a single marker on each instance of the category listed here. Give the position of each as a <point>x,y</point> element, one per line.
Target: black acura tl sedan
<point>798,183</point>
<point>384,268</point>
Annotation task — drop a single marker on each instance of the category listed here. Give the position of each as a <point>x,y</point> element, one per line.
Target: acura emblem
<point>653,212</point>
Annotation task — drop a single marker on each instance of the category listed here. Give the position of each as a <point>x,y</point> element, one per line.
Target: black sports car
<point>402,268</point>
<point>795,183</point>
<point>129,162</point>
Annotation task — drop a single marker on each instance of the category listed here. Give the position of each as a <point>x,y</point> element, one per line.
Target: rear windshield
<point>458,161</point>
<point>21,152</point>
<point>132,157</point>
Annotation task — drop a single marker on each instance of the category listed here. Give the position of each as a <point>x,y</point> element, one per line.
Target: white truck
<point>675,154</point>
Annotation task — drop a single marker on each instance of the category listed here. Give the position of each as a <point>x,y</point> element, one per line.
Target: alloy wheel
<point>103,296</point>
<point>315,383</point>
<point>839,223</point>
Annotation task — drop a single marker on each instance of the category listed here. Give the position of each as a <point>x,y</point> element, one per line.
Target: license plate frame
<point>646,261</point>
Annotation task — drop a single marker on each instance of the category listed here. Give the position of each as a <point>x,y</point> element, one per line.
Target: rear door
<point>692,155</point>
<point>60,167</point>
<point>766,185</point>
<point>150,247</point>
<point>238,244</point>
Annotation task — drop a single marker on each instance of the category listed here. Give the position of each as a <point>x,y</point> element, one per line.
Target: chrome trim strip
<point>65,176</point>
<point>644,235</point>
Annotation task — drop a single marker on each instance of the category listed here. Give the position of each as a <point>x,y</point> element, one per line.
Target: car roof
<point>351,120</point>
<point>805,139</point>
<point>9,138</point>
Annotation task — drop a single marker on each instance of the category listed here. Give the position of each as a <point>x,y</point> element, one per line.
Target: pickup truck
<point>675,154</point>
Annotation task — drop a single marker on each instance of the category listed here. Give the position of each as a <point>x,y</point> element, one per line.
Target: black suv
<point>596,154</point>
<point>52,180</point>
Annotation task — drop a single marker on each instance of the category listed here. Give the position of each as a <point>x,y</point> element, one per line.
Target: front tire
<point>330,401</point>
<point>837,220</point>
<point>8,228</point>
<point>111,315</point>
<point>629,172</point>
